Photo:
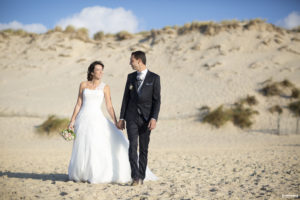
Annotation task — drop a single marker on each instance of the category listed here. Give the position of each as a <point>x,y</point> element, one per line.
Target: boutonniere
<point>130,87</point>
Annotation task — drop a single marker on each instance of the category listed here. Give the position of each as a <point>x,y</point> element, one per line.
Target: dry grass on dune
<point>271,90</point>
<point>286,83</point>
<point>19,32</point>
<point>82,34</point>
<point>284,88</point>
<point>56,29</point>
<point>295,93</point>
<point>238,114</point>
<point>275,109</point>
<point>211,28</point>
<point>52,125</point>
<point>250,100</point>
<point>296,29</point>
<point>217,117</point>
<point>208,28</point>
<point>123,35</point>
<point>99,35</point>
<point>241,116</point>
<point>294,107</point>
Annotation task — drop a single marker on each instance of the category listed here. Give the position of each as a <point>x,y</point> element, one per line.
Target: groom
<point>140,108</point>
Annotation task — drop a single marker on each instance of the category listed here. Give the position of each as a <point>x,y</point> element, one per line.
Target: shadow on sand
<point>267,131</point>
<point>44,177</point>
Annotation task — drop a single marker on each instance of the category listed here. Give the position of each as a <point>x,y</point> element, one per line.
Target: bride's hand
<point>71,126</point>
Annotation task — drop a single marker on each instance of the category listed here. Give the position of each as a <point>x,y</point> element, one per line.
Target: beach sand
<point>192,160</point>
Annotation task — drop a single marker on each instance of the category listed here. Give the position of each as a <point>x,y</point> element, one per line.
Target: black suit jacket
<point>147,102</point>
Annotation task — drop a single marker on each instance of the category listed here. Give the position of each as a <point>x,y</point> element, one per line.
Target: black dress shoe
<point>135,182</point>
<point>141,181</point>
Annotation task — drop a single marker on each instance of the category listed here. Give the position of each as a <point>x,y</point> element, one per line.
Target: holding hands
<point>121,124</point>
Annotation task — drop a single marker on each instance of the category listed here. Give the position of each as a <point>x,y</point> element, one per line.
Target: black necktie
<point>139,81</point>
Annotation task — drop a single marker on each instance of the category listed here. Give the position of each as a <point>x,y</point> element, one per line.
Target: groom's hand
<point>152,124</point>
<point>121,124</point>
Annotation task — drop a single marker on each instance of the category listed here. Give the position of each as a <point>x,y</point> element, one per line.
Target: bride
<point>100,150</point>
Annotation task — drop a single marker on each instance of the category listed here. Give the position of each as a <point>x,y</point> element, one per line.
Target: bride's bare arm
<point>77,106</point>
<point>109,106</point>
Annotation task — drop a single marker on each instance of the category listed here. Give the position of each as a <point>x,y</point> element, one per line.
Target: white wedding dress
<point>100,150</point>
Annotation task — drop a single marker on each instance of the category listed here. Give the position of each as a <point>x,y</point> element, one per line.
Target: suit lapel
<point>135,82</point>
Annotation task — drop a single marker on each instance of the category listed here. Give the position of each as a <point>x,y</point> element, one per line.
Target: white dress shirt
<point>142,76</point>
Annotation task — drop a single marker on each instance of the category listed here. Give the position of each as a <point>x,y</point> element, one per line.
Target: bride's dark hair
<point>91,69</point>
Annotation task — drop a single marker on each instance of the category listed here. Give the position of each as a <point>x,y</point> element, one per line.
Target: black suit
<point>138,108</point>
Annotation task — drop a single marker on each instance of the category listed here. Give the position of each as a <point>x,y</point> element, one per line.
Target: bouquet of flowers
<point>68,134</point>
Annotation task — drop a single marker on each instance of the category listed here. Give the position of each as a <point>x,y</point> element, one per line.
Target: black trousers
<point>138,134</point>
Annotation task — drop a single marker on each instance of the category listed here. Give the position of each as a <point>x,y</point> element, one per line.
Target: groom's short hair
<point>139,55</point>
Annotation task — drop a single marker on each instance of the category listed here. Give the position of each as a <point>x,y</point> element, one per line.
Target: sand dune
<point>40,75</point>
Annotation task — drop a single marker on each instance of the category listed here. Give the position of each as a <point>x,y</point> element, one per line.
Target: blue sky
<point>140,15</point>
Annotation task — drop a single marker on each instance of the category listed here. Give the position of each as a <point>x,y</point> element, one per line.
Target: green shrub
<point>99,35</point>
<point>296,29</point>
<point>250,100</point>
<point>83,31</point>
<point>144,33</point>
<point>255,21</point>
<point>154,33</point>
<point>275,108</point>
<point>124,35</point>
<point>271,90</point>
<point>217,117</point>
<point>8,31</point>
<point>230,23</point>
<point>82,34</point>
<point>70,29</point>
<point>295,93</point>
<point>206,28</point>
<point>294,107</point>
<point>18,32</point>
<point>168,29</point>
<point>286,83</point>
<point>58,29</point>
<point>53,124</point>
<point>279,88</point>
<point>241,116</point>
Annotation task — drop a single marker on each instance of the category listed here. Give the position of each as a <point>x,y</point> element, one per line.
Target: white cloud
<point>104,19</point>
<point>291,21</point>
<point>35,28</point>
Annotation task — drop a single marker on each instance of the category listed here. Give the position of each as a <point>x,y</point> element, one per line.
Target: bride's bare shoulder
<point>84,84</point>
<point>106,87</point>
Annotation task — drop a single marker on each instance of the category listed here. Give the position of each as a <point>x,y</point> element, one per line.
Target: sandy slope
<point>193,160</point>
